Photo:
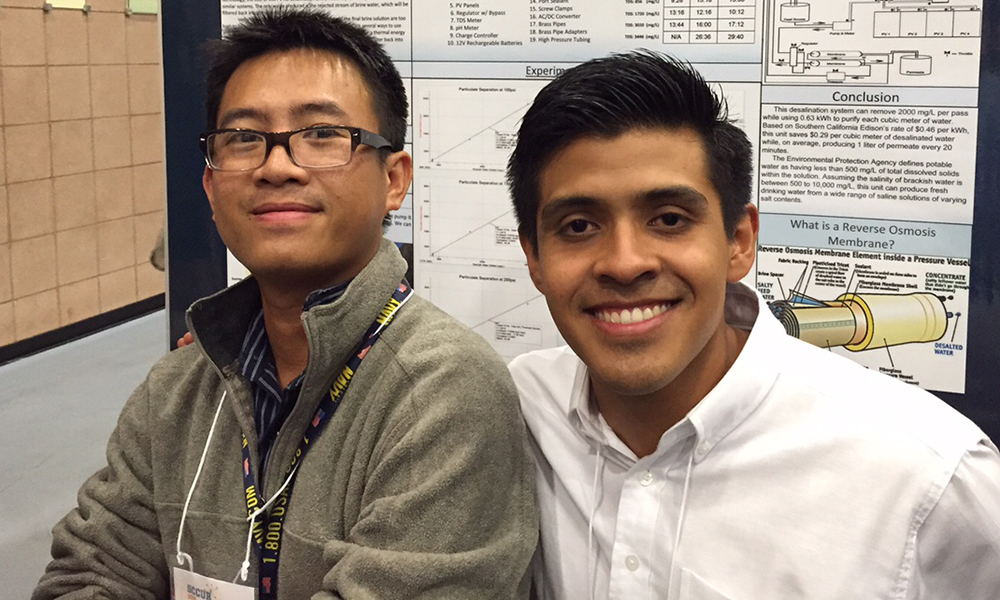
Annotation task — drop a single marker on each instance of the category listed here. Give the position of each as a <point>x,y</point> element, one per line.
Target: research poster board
<point>863,115</point>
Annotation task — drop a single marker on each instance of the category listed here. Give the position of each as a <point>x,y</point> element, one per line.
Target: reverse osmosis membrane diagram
<point>883,42</point>
<point>902,315</point>
<point>864,321</point>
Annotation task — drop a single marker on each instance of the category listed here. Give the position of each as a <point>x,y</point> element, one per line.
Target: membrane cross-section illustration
<point>864,321</point>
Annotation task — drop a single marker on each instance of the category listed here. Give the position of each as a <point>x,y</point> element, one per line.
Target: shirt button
<point>632,562</point>
<point>647,478</point>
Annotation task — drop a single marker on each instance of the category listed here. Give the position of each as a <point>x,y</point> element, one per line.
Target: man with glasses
<point>328,434</point>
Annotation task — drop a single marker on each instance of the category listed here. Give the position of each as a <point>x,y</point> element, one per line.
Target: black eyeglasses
<point>317,147</point>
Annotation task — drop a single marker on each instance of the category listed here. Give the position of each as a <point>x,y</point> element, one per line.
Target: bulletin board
<point>874,176</point>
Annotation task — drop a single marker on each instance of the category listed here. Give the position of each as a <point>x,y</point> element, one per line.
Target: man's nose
<point>278,167</point>
<point>626,255</point>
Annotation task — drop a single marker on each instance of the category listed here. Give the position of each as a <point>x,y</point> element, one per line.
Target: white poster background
<point>862,112</point>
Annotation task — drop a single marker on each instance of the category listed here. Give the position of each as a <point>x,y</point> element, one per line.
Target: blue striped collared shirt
<point>271,403</point>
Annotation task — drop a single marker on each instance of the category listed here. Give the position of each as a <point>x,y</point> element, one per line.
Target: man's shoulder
<point>426,339</point>
<point>428,367</point>
<point>547,381</point>
<point>179,360</point>
<point>180,373</point>
<point>544,365</point>
<point>840,377</point>
<point>866,400</point>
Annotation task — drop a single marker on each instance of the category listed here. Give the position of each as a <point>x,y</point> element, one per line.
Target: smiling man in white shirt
<point>688,448</point>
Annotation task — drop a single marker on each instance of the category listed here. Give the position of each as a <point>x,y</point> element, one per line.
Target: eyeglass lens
<point>244,150</point>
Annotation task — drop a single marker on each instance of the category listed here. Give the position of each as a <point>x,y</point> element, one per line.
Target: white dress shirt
<point>801,475</point>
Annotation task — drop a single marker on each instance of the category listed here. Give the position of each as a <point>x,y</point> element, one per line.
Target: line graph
<point>502,306</point>
<point>490,223</point>
<point>467,221</point>
<point>467,253</point>
<point>504,138</point>
<point>467,124</point>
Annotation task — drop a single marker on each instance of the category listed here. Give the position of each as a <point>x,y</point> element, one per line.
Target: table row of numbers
<point>708,37</point>
<point>709,12</point>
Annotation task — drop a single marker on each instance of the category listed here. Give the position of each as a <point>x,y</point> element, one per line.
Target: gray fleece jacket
<point>421,485</point>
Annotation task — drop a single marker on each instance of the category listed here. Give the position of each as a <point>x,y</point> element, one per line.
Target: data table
<point>708,21</point>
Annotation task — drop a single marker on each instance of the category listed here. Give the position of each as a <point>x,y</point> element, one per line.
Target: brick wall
<point>82,180</point>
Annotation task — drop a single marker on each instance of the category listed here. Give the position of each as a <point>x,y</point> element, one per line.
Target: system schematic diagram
<point>864,321</point>
<point>907,43</point>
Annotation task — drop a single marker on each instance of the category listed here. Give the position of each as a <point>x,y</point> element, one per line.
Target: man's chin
<point>635,381</point>
<point>289,272</point>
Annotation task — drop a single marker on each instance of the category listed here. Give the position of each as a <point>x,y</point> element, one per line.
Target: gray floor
<point>57,409</point>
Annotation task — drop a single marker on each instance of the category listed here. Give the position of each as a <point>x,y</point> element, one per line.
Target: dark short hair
<point>609,96</point>
<point>284,29</point>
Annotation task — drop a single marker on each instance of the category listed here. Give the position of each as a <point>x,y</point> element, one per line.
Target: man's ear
<point>399,175</point>
<point>534,266</point>
<point>206,183</point>
<point>743,245</point>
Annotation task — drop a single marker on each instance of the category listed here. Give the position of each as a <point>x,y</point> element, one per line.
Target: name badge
<point>192,586</point>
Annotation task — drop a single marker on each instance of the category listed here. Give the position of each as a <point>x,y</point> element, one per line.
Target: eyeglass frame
<point>282,138</point>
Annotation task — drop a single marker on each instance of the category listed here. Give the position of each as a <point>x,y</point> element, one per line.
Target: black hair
<point>609,96</point>
<point>284,29</point>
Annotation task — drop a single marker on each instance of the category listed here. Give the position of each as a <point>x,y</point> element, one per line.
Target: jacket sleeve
<point>109,546</point>
<point>449,509</point>
<point>958,545</point>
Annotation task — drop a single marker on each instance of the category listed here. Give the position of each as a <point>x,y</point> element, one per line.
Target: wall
<point>82,183</point>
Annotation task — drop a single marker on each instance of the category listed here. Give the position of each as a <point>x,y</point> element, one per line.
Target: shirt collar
<point>744,386</point>
<point>325,295</point>
<point>728,404</point>
<point>255,354</point>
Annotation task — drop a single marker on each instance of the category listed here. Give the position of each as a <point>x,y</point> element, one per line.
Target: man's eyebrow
<point>331,109</point>
<point>682,195</point>
<point>679,194</point>
<point>567,204</point>
<point>238,114</point>
<point>318,108</point>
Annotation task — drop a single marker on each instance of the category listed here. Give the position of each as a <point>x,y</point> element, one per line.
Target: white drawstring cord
<point>680,517</point>
<point>184,556</point>
<point>244,571</point>
<point>591,559</point>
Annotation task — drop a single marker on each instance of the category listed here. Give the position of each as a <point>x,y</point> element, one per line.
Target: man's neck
<point>641,420</point>
<point>285,332</point>
<point>283,296</point>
